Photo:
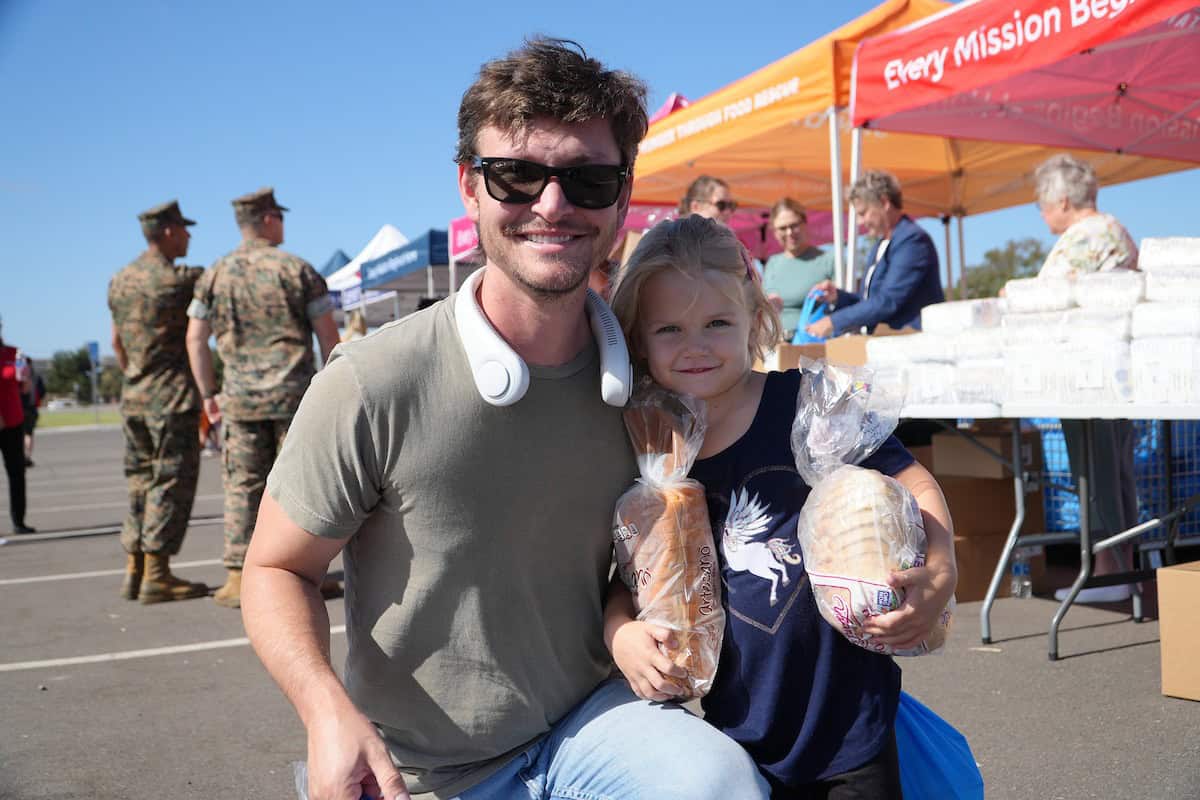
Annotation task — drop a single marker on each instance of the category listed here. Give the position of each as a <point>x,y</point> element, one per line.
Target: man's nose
<point>553,204</point>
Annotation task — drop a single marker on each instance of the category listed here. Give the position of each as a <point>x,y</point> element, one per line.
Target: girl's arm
<point>634,647</point>
<point>929,588</point>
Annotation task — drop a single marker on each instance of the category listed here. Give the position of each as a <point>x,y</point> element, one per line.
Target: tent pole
<point>949,285</point>
<point>835,184</point>
<point>962,262</point>
<point>453,274</point>
<point>395,305</point>
<point>429,280</point>
<point>852,225</point>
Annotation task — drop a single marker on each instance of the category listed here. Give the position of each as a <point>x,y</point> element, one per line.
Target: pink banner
<point>463,238</point>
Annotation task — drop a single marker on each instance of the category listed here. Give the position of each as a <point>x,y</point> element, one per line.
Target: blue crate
<point>1062,506</point>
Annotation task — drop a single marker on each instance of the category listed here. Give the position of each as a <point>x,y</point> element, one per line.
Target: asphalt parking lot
<point>104,698</point>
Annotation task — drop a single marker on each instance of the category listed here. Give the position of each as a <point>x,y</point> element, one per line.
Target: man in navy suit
<point>902,274</point>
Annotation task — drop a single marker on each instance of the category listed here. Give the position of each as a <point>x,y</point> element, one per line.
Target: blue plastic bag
<point>810,312</point>
<point>935,759</point>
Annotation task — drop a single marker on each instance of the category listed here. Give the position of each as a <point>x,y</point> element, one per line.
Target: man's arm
<point>200,359</point>
<point>327,334</point>
<point>909,262</point>
<point>288,625</point>
<point>118,348</point>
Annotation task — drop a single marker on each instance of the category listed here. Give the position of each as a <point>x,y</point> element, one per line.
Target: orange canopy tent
<point>771,134</point>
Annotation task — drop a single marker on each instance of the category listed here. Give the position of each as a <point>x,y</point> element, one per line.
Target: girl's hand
<point>635,649</point>
<point>927,590</point>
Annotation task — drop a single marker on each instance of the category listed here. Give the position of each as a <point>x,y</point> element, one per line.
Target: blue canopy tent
<point>399,270</point>
<point>336,261</point>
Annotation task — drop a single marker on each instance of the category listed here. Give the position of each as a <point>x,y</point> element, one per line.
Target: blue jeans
<point>614,746</point>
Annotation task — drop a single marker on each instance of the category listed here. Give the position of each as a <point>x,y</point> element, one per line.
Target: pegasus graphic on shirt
<point>748,518</point>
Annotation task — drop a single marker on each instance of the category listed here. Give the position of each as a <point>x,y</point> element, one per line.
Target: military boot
<point>134,563</point>
<point>159,585</point>
<point>230,595</point>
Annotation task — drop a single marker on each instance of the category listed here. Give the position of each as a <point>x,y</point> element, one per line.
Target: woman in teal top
<point>789,275</point>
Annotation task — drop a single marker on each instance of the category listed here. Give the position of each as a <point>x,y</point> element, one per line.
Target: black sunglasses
<point>725,205</point>
<point>514,180</point>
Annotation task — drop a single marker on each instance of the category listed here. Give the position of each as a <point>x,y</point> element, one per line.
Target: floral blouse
<point>1096,243</point>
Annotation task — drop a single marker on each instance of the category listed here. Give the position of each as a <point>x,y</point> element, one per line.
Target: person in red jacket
<point>14,379</point>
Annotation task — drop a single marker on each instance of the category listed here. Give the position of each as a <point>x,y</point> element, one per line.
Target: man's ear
<point>467,184</point>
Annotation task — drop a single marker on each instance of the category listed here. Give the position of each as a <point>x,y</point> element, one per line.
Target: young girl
<point>815,711</point>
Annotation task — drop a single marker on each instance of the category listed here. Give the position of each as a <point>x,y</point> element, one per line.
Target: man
<point>476,537</point>
<point>902,274</point>
<point>159,405</point>
<point>263,305</point>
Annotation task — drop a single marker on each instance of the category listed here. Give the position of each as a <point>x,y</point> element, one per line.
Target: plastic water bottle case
<point>1022,577</point>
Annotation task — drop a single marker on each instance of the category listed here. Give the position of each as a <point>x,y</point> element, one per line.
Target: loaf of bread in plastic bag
<point>856,528</point>
<point>663,539</point>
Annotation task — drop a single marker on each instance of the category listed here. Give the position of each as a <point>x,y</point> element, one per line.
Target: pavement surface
<point>104,698</point>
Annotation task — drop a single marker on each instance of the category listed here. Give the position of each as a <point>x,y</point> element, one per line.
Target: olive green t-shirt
<point>791,278</point>
<point>480,540</point>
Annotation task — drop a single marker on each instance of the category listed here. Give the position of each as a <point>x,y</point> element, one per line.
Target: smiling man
<point>465,464</point>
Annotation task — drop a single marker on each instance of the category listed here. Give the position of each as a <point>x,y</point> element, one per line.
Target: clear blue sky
<point>347,109</point>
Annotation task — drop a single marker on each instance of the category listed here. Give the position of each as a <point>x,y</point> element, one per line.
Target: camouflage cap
<point>154,219</point>
<point>250,206</point>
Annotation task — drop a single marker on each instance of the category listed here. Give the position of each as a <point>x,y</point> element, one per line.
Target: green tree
<point>110,381</point>
<point>1018,258</point>
<point>69,374</point>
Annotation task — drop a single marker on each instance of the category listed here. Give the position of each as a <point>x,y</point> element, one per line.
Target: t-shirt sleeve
<point>316,292</point>
<point>890,458</point>
<point>327,477</point>
<point>202,296</point>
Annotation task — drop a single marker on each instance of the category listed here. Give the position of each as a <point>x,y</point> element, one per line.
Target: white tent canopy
<point>387,239</point>
<point>378,307</point>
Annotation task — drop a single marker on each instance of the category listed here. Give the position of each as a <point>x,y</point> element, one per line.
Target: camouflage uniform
<point>260,302</point>
<point>159,401</point>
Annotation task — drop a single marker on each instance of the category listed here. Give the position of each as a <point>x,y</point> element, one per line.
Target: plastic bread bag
<point>664,542</point>
<point>858,525</point>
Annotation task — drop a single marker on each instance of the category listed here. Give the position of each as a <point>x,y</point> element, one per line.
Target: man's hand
<point>212,410</point>
<point>636,651</point>
<point>822,328</point>
<point>347,760</point>
<point>828,292</point>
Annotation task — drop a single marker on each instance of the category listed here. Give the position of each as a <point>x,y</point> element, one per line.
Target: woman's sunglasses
<point>514,180</point>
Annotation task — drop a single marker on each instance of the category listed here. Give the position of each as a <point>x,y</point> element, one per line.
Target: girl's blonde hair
<point>694,245</point>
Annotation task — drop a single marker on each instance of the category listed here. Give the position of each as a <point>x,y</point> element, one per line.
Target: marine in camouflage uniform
<point>263,305</point>
<point>159,405</point>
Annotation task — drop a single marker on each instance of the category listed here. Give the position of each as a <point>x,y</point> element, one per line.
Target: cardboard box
<point>787,356</point>
<point>1179,629</point>
<point>954,455</point>
<point>851,350</point>
<point>977,557</point>
<point>986,506</point>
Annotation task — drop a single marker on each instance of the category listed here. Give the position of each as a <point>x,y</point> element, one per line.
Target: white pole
<point>852,227</point>
<point>835,184</point>
<point>453,273</point>
<point>962,262</point>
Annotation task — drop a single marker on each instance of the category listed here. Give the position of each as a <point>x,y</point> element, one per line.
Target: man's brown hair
<point>551,78</point>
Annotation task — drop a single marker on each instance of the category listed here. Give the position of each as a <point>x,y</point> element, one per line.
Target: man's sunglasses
<point>725,205</point>
<point>514,180</point>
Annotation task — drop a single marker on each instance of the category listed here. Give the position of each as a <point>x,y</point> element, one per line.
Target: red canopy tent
<point>1119,76</point>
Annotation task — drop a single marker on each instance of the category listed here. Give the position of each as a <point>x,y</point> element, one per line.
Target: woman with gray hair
<point>1089,240</point>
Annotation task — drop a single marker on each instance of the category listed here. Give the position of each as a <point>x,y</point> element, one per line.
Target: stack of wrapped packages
<point>858,525</point>
<point>1098,338</point>
<point>1067,340</point>
<point>957,357</point>
<point>664,543</point>
<point>1166,328</point>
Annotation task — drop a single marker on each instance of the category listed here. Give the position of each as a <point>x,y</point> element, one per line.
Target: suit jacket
<point>905,281</point>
